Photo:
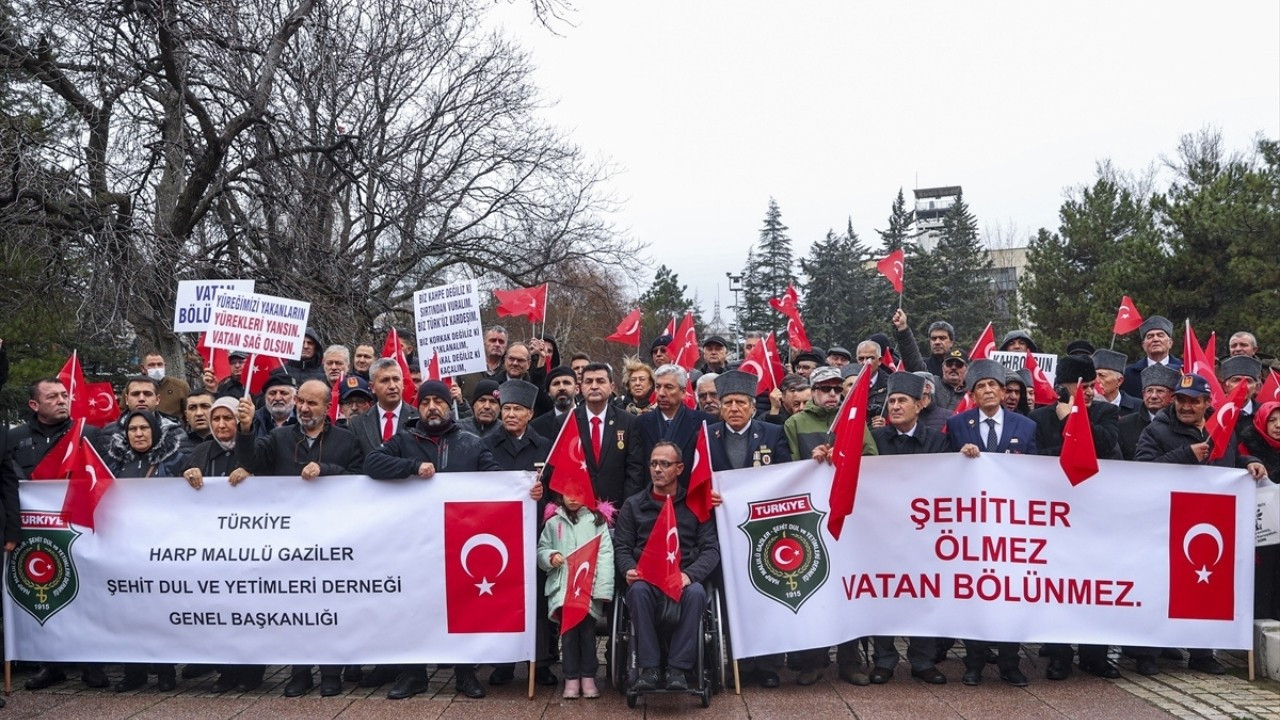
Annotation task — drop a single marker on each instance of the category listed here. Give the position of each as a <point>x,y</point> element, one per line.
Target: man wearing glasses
<point>955,369</point>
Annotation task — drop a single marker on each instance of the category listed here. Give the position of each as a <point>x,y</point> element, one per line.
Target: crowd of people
<point>642,434</point>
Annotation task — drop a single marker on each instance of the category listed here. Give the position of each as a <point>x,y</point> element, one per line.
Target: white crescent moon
<point>582,567</point>
<point>476,541</point>
<point>897,267</point>
<point>93,476</point>
<point>1197,530</point>
<point>752,367</point>
<point>635,326</point>
<point>670,532</point>
<point>31,567</point>
<point>1228,410</point>
<point>777,554</point>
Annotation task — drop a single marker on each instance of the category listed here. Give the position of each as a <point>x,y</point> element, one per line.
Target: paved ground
<point>1176,692</point>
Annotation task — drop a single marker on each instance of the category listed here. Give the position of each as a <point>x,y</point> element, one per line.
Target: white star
<point>1203,574</point>
<point>577,591</point>
<point>486,587</point>
<point>671,557</point>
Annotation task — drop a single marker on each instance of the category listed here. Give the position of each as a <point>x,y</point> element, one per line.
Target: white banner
<point>193,306</point>
<point>259,324</point>
<point>1018,360</point>
<point>447,320</point>
<point>999,547</point>
<point>337,570</point>
<point>1267,522</point>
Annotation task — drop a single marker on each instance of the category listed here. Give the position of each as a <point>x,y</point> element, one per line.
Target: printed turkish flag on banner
<point>1270,390</point>
<point>581,569</point>
<point>253,375</point>
<point>1042,392</point>
<point>850,428</point>
<point>763,362</point>
<point>58,461</point>
<point>1127,317</point>
<point>484,566</point>
<point>1079,458</point>
<point>892,267</point>
<point>698,496</point>
<point>528,302</point>
<point>789,305</point>
<point>660,560</point>
<point>985,346</point>
<point>1202,556</point>
<point>628,332</point>
<point>101,399</point>
<point>685,344</point>
<point>569,460</point>
<point>1222,422</point>
<point>90,480</point>
<point>216,359</point>
<point>391,349</point>
<point>72,376</point>
<point>1195,361</point>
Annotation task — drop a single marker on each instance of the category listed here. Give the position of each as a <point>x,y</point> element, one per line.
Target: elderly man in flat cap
<point>1158,383</point>
<point>1242,369</point>
<point>1157,344</point>
<point>1110,367</point>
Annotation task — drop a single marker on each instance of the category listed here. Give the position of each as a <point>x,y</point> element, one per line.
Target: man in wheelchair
<point>698,553</point>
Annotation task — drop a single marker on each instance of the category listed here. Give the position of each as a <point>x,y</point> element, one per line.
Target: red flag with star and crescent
<point>1202,556</point>
<point>523,302</point>
<point>1128,318</point>
<point>58,461</point>
<point>660,560</point>
<point>846,453</point>
<point>685,342</point>
<point>789,305</point>
<point>764,362</point>
<point>1042,390</point>
<point>568,458</point>
<point>985,346</point>
<point>1222,422</point>
<point>628,332</point>
<point>1079,458</point>
<point>254,373</point>
<point>1270,390</point>
<point>893,267</point>
<point>72,377</point>
<point>1194,360</point>
<point>484,567</point>
<point>90,480</point>
<point>104,409</point>
<point>698,496</point>
<point>581,569</point>
<point>216,359</point>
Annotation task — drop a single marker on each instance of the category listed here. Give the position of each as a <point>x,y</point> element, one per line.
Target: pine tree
<point>901,231</point>
<point>768,271</point>
<point>838,285</point>
<point>666,298</point>
<point>960,284</point>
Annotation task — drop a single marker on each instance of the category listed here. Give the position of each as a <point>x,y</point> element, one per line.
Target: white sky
<point>709,108</point>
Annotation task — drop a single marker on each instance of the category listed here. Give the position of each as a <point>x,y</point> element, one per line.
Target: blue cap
<point>1192,386</point>
<point>352,385</point>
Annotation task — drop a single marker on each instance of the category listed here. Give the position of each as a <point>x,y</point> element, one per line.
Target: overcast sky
<point>708,109</point>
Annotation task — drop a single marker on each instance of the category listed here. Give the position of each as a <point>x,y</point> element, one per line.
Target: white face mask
<point>156,374</point>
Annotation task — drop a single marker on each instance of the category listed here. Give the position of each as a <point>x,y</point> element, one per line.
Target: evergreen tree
<point>839,284</point>
<point>901,231</point>
<point>666,298</point>
<point>960,283</point>
<point>768,271</point>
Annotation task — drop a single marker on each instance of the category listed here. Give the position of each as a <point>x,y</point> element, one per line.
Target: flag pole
<point>248,381</point>
<point>1113,341</point>
<point>899,301</point>
<point>532,672</point>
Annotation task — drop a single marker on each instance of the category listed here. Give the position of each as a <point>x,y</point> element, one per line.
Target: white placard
<point>337,570</point>
<point>1267,521</point>
<point>259,324</point>
<point>193,306</point>
<point>447,321</point>
<point>1018,360</point>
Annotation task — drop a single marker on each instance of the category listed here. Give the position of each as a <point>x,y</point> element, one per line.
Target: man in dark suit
<point>737,442</point>
<point>673,421</point>
<point>989,428</point>
<point>614,461</point>
<point>1051,420</point>
<point>390,414</point>
<point>1110,368</point>
<point>1157,343</point>
<point>562,386</point>
<point>1158,384</point>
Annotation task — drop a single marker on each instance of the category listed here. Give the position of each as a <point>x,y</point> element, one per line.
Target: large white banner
<point>447,320</point>
<point>336,570</point>
<point>999,547</point>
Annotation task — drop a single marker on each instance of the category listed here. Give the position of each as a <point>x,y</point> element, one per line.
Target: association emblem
<point>42,574</point>
<point>788,561</point>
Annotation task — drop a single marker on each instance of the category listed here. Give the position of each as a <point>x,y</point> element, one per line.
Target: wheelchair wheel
<point>718,656</point>
<point>705,695</point>
<point>631,699</point>
<point>618,660</point>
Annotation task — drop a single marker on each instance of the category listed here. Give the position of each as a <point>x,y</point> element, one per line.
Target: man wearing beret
<point>990,428</point>
<point>1050,421</point>
<point>432,443</point>
<point>1242,369</point>
<point>659,353</point>
<point>1177,435</point>
<point>1157,342</point>
<point>838,357</point>
<point>391,414</point>
<point>807,361</point>
<point>279,394</point>
<point>904,435</point>
<point>1158,384</point>
<point>1110,366</point>
<point>485,408</point>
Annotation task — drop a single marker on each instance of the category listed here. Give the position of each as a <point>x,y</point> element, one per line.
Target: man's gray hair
<point>338,350</point>
<point>682,377</point>
<point>382,364</point>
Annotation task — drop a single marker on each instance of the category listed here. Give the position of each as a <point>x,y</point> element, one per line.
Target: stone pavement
<point>1176,692</point>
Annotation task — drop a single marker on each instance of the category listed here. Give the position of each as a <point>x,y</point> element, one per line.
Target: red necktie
<point>388,426</point>
<point>595,436</point>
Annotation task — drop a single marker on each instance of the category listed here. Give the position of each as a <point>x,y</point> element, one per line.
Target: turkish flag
<point>892,267</point>
<point>764,362</point>
<point>101,399</point>
<point>90,480</point>
<point>686,344</point>
<point>335,400</point>
<point>1127,317</point>
<point>216,359</point>
<point>569,459</point>
<point>58,461</point>
<point>789,305</point>
<point>628,332</point>
<point>72,376</point>
<point>1211,349</point>
<point>581,568</point>
<point>670,330</point>
<point>985,346</point>
<point>850,427</point>
<point>253,374</point>
<point>698,496</point>
<point>1042,392</point>
<point>1195,361</point>
<point>432,372</point>
<point>1270,390</point>
<point>391,349</point>
<point>1222,422</point>
<point>528,302</point>
<point>1202,556</point>
<point>484,566</point>
<point>690,398</point>
<point>660,560</point>
<point>966,403</point>
<point>1079,458</point>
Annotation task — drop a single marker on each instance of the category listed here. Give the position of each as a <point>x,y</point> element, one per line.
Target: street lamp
<point>735,287</point>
